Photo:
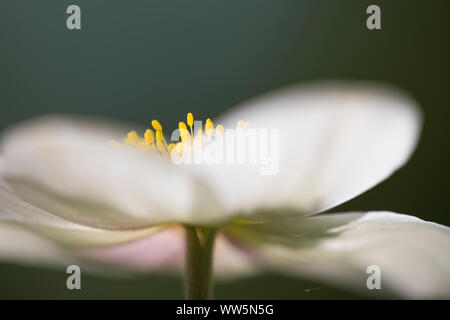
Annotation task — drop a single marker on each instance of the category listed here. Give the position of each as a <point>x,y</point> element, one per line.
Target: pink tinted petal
<point>165,250</point>
<point>162,250</point>
<point>231,259</point>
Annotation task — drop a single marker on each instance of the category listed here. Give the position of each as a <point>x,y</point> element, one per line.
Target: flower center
<point>191,134</point>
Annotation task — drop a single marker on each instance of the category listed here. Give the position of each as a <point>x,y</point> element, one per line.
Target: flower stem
<point>199,262</point>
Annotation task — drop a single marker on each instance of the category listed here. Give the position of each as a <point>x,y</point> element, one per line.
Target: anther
<point>190,119</point>
<point>132,137</point>
<point>209,125</point>
<point>156,125</point>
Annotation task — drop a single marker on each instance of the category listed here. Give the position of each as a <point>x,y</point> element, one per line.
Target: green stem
<point>199,261</point>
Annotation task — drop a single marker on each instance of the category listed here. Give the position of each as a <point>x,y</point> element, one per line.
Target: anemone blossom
<point>73,190</point>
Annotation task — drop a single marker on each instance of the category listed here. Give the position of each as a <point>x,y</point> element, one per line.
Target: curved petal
<point>13,210</point>
<point>165,251</point>
<point>413,255</point>
<point>336,140</point>
<point>67,166</point>
<point>31,234</point>
<point>21,245</point>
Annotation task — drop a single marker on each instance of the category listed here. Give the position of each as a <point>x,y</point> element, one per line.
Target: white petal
<point>413,255</point>
<point>337,140</point>
<point>21,245</point>
<point>68,166</point>
<point>31,235</point>
<point>165,251</point>
<point>14,210</point>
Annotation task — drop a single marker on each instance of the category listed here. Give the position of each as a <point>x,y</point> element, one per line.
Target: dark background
<point>140,60</point>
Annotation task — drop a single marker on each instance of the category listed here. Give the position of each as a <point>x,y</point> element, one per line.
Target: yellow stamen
<point>182,125</point>
<point>160,142</point>
<point>190,119</point>
<point>220,130</point>
<point>209,125</point>
<point>190,122</point>
<point>159,136</point>
<point>149,137</point>
<point>184,133</point>
<point>161,146</point>
<point>132,137</point>
<point>156,125</point>
<point>154,142</point>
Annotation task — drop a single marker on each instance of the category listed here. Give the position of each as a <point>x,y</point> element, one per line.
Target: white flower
<point>65,192</point>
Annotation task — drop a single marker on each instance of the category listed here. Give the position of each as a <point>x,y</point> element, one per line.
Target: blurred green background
<point>140,60</point>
